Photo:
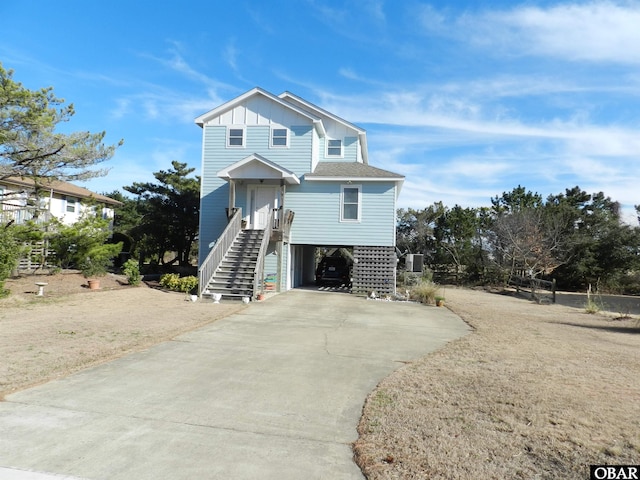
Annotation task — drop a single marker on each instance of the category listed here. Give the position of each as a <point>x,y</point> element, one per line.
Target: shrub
<point>9,255</point>
<point>98,259</point>
<point>82,245</point>
<point>174,282</point>
<point>427,275</point>
<point>424,292</point>
<point>131,270</point>
<point>594,302</point>
<point>170,281</point>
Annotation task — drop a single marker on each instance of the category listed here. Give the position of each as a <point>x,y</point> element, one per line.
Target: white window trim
<point>326,150</point>
<point>244,135</point>
<point>351,220</point>
<point>286,145</point>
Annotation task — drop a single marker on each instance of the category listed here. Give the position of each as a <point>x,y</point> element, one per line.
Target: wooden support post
<point>279,252</point>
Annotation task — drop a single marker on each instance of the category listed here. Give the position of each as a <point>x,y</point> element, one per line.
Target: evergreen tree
<point>169,213</point>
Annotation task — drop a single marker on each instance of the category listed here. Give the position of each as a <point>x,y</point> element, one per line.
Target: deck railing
<point>219,250</point>
<point>282,221</point>
<point>19,214</point>
<point>258,274</point>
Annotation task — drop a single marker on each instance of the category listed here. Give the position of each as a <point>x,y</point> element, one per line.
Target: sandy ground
<point>72,327</point>
<point>536,391</point>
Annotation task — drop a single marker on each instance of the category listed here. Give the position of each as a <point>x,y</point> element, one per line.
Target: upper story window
<point>71,204</point>
<point>334,148</point>
<point>351,203</point>
<point>279,137</point>
<point>235,137</point>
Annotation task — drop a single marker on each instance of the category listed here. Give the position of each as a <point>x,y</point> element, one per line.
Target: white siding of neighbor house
<point>56,204</point>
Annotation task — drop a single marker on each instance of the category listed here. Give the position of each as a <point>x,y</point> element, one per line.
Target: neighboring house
<point>281,178</point>
<point>61,200</point>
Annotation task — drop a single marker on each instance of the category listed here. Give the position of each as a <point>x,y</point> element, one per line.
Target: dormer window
<point>279,137</point>
<point>334,148</point>
<point>235,137</point>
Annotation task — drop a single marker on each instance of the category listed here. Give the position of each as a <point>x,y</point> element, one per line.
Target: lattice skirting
<point>374,269</point>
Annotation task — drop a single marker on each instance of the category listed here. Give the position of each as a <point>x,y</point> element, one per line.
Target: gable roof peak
<point>288,96</point>
<point>204,118</point>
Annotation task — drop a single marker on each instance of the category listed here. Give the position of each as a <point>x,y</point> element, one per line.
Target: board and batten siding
<point>259,111</point>
<point>317,221</point>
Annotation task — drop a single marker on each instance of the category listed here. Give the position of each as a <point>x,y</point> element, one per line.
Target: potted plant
<point>439,301</point>
<point>99,258</point>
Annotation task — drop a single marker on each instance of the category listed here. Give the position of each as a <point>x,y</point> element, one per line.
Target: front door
<point>263,200</point>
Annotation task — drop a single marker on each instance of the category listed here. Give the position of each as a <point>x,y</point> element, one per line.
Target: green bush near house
<point>98,259</point>
<point>175,282</point>
<point>9,256</point>
<point>131,270</point>
<point>83,245</point>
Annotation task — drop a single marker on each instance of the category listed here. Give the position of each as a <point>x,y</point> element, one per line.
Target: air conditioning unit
<point>414,262</point>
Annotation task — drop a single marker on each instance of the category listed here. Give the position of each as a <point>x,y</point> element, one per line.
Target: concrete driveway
<point>273,392</point>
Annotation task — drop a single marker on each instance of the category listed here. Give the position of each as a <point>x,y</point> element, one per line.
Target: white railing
<point>258,273</point>
<point>20,214</point>
<point>219,250</point>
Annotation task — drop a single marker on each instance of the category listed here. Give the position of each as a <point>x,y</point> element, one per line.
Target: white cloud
<point>431,19</point>
<point>163,106</point>
<point>374,8</point>
<point>231,55</point>
<point>598,31</point>
<point>137,163</point>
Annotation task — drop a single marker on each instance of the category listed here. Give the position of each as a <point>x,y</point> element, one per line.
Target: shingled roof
<point>351,170</point>
<point>63,188</point>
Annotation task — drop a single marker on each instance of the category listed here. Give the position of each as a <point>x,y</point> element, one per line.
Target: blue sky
<point>467,99</point>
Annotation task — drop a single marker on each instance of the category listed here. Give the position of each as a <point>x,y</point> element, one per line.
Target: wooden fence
<point>539,290</point>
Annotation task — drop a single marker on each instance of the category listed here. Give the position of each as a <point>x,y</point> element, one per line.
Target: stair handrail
<point>219,250</point>
<point>258,273</point>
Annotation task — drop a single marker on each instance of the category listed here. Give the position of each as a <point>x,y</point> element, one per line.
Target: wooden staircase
<point>235,276</point>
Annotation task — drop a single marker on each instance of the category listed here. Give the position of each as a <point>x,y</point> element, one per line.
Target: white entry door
<point>263,201</point>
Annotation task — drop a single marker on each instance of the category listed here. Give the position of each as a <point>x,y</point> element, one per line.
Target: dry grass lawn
<point>537,391</point>
<point>72,327</point>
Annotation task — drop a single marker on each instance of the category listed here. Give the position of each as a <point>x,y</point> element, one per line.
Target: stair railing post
<point>258,275</point>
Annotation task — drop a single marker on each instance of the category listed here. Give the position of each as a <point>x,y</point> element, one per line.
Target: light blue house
<point>282,178</point>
